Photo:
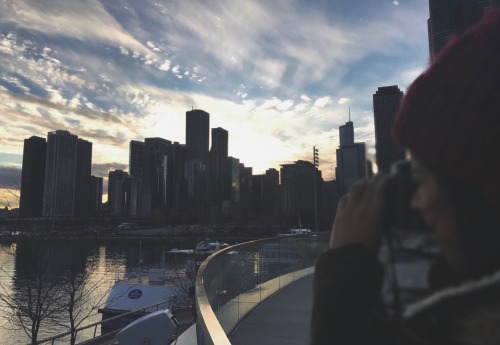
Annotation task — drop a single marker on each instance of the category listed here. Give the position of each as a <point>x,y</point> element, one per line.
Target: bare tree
<point>84,291</point>
<point>32,301</point>
<point>53,287</point>
<point>10,195</point>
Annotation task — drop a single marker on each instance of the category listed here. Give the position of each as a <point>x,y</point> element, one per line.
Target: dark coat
<point>348,308</point>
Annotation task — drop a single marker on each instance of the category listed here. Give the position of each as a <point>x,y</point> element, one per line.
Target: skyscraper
<point>197,133</point>
<point>33,177</point>
<point>385,107</point>
<point>82,178</point>
<point>154,178</point>
<point>197,141</point>
<point>351,159</point>
<point>220,180</point>
<point>116,193</point>
<point>176,181</point>
<point>346,133</point>
<point>452,17</point>
<point>232,169</point>
<point>246,197</point>
<point>135,183</point>
<point>258,194</point>
<point>272,192</point>
<point>297,182</point>
<point>136,158</point>
<point>95,195</point>
<point>60,174</point>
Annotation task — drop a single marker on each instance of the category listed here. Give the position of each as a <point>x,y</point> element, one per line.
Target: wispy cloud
<point>279,74</point>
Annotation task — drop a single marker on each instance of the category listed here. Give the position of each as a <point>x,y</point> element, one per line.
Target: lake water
<point>105,261</point>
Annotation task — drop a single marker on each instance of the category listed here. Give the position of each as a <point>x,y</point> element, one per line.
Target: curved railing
<point>231,282</point>
<point>97,338</point>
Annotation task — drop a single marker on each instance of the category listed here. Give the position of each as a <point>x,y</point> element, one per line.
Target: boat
<point>296,231</point>
<point>159,289</point>
<point>208,247</point>
<point>299,231</point>
<point>202,250</point>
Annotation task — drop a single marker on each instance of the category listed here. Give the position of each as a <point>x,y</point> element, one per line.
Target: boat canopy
<point>128,297</point>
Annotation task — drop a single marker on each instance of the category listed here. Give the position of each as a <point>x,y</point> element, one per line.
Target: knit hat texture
<point>450,116</point>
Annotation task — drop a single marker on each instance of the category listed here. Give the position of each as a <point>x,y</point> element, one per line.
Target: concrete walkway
<point>283,318</point>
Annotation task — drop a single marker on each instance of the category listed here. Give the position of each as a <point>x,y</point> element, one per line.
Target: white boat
<point>296,231</point>
<point>209,247</point>
<point>161,288</point>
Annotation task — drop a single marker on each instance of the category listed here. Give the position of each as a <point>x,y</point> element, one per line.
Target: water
<point>99,262</point>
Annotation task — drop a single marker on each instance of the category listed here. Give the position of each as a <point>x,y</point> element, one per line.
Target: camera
<point>399,191</point>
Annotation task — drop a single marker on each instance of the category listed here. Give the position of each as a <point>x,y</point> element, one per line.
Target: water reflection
<point>47,268</point>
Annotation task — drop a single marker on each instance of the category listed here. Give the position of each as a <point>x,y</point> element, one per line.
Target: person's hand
<point>359,213</point>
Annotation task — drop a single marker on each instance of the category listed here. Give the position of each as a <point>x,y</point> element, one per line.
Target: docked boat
<point>295,231</point>
<point>203,249</point>
<point>160,289</point>
<point>208,247</point>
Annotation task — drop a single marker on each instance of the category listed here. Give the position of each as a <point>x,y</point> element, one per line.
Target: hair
<point>477,222</point>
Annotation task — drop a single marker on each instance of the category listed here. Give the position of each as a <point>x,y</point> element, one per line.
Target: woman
<point>449,122</point>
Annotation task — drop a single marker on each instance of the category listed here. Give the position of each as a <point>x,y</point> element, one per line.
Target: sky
<point>281,76</point>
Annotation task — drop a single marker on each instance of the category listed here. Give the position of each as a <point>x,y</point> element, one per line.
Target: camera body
<point>399,191</point>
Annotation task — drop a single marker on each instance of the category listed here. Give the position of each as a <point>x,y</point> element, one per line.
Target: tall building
<point>272,192</point>
<point>95,195</point>
<point>297,182</point>
<point>346,133</point>
<point>197,133</point>
<point>197,142</point>
<point>351,160</point>
<point>136,158</point>
<point>196,205</point>
<point>154,177</point>
<point>176,190</point>
<point>452,17</point>
<point>219,179</point>
<point>385,107</point>
<point>246,195</point>
<point>60,174</point>
<point>116,193</point>
<point>232,169</point>
<point>258,194</point>
<point>33,177</point>
<point>82,177</point>
<point>137,150</point>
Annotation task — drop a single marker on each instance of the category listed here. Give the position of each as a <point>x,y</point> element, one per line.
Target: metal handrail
<point>95,324</point>
<point>209,330</point>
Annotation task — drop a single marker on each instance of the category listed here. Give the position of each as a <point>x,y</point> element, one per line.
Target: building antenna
<point>192,107</point>
<point>349,114</point>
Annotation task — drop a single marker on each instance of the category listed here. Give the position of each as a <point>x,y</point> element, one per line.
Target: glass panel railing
<point>235,280</point>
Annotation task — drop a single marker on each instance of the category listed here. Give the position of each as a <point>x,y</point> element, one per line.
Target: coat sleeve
<point>347,304</point>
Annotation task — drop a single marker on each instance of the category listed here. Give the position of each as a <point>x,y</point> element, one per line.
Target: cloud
<point>103,169</point>
<point>285,105</point>
<point>85,21</point>
<point>10,177</point>
<point>305,98</point>
<point>322,101</point>
<point>165,66</point>
<point>249,64</point>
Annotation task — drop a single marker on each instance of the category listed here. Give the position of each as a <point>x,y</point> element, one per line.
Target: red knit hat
<point>450,116</point>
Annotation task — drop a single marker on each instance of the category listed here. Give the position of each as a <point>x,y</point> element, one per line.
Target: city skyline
<point>128,72</point>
